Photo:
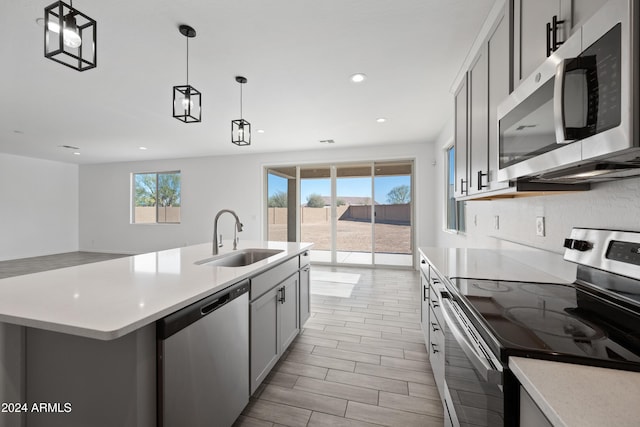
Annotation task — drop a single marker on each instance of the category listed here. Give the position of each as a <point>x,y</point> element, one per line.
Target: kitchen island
<point>82,339</point>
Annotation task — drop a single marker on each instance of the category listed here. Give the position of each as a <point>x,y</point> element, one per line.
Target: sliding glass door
<point>316,211</point>
<point>354,202</point>
<point>393,217</point>
<point>356,213</point>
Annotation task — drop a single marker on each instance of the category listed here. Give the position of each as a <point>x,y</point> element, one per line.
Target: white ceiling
<point>297,55</point>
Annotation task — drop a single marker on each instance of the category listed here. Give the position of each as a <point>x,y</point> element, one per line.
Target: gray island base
<point>96,364</point>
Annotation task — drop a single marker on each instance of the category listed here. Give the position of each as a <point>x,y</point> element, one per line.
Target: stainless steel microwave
<point>575,119</point>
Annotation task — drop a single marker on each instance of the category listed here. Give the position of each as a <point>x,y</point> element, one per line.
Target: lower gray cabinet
<point>264,347</point>
<point>274,325</point>
<point>530,414</point>
<point>424,306</point>
<point>288,310</point>
<point>305,295</point>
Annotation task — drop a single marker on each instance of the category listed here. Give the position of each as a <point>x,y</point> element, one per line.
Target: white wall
<point>38,207</point>
<point>613,205</point>
<point>213,183</point>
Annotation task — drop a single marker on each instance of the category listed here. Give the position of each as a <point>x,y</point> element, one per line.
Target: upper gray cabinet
<point>534,32</point>
<point>461,186</point>
<point>478,151</point>
<point>499,88</point>
<point>539,26</point>
<point>487,84</point>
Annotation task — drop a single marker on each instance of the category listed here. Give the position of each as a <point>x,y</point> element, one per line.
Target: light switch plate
<point>540,226</point>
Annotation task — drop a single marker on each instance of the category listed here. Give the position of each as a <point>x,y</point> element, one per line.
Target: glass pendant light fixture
<point>187,100</point>
<point>241,129</point>
<point>69,36</point>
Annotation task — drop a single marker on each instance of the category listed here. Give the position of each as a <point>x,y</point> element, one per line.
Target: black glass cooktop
<point>560,322</point>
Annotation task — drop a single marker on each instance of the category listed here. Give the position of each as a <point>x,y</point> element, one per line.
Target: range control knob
<point>579,245</point>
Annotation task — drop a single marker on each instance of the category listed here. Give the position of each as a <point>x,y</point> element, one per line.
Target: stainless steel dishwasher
<point>203,361</point>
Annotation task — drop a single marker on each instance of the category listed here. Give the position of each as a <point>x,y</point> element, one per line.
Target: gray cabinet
<point>304,289</point>
<point>275,317</point>
<point>461,186</point>
<point>424,299</point>
<point>265,348</point>
<point>288,311</point>
<point>584,9</point>
<point>487,85</point>
<point>305,294</point>
<point>478,137</point>
<point>499,88</point>
<point>530,18</point>
<point>530,413</point>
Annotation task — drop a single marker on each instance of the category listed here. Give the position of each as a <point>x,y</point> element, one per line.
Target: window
<point>454,210</point>
<point>156,197</point>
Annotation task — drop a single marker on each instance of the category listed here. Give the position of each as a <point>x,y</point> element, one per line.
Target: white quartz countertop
<point>108,299</point>
<point>580,396</point>
<point>485,264</point>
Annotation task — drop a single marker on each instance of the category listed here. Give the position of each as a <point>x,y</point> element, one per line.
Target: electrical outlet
<point>540,226</point>
<point>496,222</point>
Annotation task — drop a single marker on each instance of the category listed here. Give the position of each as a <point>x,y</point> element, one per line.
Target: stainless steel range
<point>593,321</point>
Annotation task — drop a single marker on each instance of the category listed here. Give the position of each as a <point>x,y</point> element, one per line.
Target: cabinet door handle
<point>549,50</point>
<point>435,304</point>
<point>424,293</point>
<point>463,190</point>
<point>434,349</point>
<point>480,175</point>
<point>552,35</point>
<point>434,327</point>
<point>283,295</point>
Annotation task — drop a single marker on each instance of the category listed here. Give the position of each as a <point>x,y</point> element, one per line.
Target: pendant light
<point>69,36</point>
<point>241,129</point>
<point>187,100</point>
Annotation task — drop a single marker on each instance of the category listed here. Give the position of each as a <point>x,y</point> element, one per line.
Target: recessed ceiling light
<point>76,153</point>
<point>260,130</point>
<point>381,120</point>
<point>358,78</point>
<point>142,148</point>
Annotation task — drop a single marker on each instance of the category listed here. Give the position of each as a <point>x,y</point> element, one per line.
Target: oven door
<point>473,375</point>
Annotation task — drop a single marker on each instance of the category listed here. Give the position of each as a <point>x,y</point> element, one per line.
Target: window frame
<point>132,198</point>
<point>459,206</point>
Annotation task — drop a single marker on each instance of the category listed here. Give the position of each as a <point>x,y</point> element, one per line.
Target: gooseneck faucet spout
<point>235,231</point>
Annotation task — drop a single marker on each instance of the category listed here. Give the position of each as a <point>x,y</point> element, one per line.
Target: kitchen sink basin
<point>240,258</point>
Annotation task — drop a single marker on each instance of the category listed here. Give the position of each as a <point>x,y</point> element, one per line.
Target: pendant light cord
<point>240,101</point>
<point>187,60</point>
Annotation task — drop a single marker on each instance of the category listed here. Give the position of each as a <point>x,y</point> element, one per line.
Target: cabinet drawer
<point>270,278</point>
<point>305,258</point>
<point>435,347</point>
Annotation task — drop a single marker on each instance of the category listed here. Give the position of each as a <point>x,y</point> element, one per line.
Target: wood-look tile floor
<point>359,361</point>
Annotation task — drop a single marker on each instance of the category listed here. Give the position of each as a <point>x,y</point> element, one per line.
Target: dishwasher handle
<point>179,320</point>
<point>206,309</point>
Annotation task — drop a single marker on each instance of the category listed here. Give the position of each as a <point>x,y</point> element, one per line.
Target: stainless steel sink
<point>239,258</point>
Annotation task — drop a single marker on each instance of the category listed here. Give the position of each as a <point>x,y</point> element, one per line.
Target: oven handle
<point>473,352</point>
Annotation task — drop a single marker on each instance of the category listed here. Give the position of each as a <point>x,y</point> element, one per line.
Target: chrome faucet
<point>235,231</point>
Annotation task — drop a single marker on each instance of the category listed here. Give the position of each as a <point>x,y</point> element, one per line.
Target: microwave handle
<point>558,104</point>
<point>473,353</point>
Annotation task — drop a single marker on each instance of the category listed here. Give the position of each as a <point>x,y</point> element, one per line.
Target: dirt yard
<point>351,236</point>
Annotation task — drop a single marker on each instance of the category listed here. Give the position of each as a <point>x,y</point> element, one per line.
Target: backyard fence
<point>385,214</point>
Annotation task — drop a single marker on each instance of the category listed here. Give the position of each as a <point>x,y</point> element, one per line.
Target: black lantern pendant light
<point>69,36</point>
<point>241,129</point>
<point>187,100</point>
